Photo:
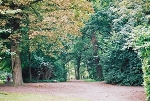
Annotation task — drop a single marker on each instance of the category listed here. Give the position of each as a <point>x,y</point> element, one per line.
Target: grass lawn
<point>4,96</point>
<point>1,82</point>
<point>90,80</point>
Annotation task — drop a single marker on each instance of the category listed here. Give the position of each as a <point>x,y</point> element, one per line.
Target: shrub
<point>143,44</point>
<point>146,70</point>
<point>122,67</point>
<point>60,73</point>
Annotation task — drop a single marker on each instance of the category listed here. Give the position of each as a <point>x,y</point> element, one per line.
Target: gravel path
<point>89,91</point>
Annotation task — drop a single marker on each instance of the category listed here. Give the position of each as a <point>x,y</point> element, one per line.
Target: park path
<point>88,91</point>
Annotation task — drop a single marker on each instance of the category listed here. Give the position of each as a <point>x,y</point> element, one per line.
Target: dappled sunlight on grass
<point>5,96</point>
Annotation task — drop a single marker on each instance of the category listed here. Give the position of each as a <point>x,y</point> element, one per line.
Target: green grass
<point>1,82</point>
<point>90,80</point>
<point>4,96</point>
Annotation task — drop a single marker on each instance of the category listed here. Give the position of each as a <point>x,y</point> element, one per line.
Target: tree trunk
<point>16,64</point>
<point>75,72</point>
<point>98,68</point>
<point>30,74</point>
<point>30,71</point>
<point>96,57</point>
<point>78,67</point>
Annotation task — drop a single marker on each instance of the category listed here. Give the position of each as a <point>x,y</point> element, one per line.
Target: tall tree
<point>52,18</point>
<point>98,25</point>
<point>11,13</point>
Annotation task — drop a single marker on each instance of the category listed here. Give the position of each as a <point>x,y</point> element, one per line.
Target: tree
<point>77,53</point>
<point>39,18</point>
<point>133,22</point>
<point>64,18</point>
<point>131,25</point>
<point>9,17</point>
<point>98,25</point>
<point>13,15</point>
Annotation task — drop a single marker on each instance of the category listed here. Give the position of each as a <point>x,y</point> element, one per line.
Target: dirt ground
<point>89,91</point>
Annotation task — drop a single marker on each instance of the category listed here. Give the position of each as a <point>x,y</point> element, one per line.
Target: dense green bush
<point>122,67</point>
<point>60,73</point>
<point>143,44</point>
<point>146,77</point>
<point>45,69</point>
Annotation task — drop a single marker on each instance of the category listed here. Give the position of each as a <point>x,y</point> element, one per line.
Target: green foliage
<point>98,27</point>
<point>44,68</point>
<point>144,42</point>
<point>127,15</point>
<point>3,75</point>
<point>5,62</point>
<point>99,23</point>
<point>40,30</point>
<point>146,70</point>
<point>92,72</point>
<point>5,33</point>
<point>113,33</point>
<point>122,67</point>
<point>60,73</point>
<point>140,40</point>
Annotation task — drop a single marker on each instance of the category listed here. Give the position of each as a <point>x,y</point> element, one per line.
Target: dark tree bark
<point>78,67</point>
<point>96,57</point>
<point>30,72</point>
